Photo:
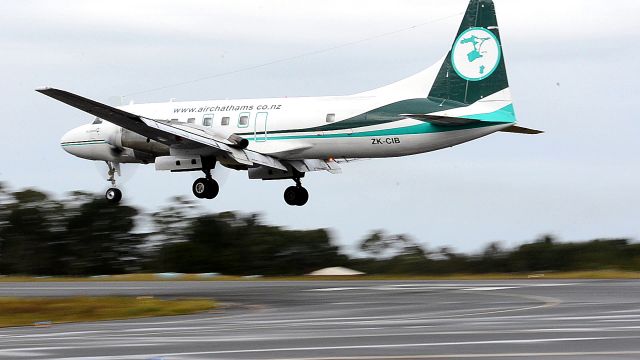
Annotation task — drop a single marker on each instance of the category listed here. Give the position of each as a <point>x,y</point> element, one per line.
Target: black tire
<point>302,196</point>
<point>212,189</point>
<point>200,188</point>
<point>291,195</point>
<point>113,195</point>
<point>205,189</point>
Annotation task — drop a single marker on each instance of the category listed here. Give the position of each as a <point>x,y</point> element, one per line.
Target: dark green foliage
<point>85,235</point>
<point>41,236</point>
<point>231,244</point>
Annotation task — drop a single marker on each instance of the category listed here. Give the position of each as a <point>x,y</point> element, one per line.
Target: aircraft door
<point>260,130</point>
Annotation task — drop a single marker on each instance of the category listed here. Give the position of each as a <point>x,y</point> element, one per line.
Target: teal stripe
<point>506,114</point>
<point>424,128</point>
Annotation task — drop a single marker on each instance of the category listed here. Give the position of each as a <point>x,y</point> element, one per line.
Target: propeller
<point>123,172</point>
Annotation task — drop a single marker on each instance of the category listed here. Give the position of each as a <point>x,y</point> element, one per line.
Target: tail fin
<point>474,68</point>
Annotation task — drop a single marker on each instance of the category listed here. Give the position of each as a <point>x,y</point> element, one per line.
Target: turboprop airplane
<point>463,97</point>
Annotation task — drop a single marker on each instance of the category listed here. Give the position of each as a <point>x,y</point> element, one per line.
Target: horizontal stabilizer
<point>441,120</point>
<point>521,130</point>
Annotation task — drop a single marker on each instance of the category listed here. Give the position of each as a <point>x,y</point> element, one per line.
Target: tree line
<point>85,235</point>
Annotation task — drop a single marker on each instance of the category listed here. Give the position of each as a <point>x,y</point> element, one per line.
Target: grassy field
<point>46,311</point>
<point>594,274</point>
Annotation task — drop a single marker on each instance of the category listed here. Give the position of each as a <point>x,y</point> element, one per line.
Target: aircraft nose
<point>68,140</point>
<point>74,140</point>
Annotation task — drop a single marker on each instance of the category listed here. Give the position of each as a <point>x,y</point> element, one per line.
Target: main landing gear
<point>113,195</point>
<point>206,187</point>
<point>296,195</point>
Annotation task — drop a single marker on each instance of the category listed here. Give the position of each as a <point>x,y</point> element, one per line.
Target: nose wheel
<point>113,195</point>
<point>296,195</point>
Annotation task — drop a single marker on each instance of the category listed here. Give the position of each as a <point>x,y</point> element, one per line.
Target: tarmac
<point>528,319</point>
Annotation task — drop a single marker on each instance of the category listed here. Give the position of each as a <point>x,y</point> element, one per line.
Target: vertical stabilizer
<point>474,67</point>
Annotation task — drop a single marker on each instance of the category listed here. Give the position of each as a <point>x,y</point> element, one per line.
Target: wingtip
<point>43,88</point>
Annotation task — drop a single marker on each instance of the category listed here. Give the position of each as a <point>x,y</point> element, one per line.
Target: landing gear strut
<point>206,187</point>
<point>296,195</point>
<point>113,194</point>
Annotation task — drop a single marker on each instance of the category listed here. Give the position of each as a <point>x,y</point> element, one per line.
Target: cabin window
<point>225,121</point>
<point>331,118</point>
<point>97,121</point>
<point>207,120</point>
<point>243,119</point>
<point>191,120</point>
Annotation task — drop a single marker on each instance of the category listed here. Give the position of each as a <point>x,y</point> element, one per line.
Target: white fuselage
<point>289,128</point>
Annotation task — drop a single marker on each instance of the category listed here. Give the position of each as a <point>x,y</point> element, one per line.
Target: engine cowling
<point>137,142</point>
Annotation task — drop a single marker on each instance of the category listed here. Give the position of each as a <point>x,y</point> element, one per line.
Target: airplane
<point>462,97</point>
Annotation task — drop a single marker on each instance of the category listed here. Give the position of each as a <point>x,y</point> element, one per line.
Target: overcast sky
<point>573,68</point>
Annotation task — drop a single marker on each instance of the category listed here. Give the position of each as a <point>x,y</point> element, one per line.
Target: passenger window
<point>191,120</point>
<point>207,120</point>
<point>331,118</point>
<point>225,121</point>
<point>243,120</point>
<point>97,121</point>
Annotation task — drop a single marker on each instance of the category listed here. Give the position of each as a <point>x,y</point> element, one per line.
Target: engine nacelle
<point>137,142</point>
<point>179,163</point>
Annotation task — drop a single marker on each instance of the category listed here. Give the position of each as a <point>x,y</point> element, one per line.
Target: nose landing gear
<point>113,194</point>
<point>296,195</point>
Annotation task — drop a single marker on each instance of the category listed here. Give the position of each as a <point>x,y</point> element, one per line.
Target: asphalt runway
<point>537,319</point>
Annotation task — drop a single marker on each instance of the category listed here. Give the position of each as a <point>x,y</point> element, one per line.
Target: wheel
<point>290,195</point>
<point>296,196</point>
<point>199,188</point>
<point>113,195</point>
<point>213,189</point>
<point>302,196</point>
<point>205,189</point>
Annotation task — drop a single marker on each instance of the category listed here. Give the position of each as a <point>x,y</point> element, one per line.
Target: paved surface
<point>351,320</point>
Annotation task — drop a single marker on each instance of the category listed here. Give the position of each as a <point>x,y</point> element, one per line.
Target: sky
<point>573,72</point>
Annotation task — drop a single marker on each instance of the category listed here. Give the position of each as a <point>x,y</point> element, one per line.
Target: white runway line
<point>346,347</point>
<point>450,356</point>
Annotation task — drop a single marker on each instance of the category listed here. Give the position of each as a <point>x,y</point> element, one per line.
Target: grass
<point>44,311</point>
<point>591,274</point>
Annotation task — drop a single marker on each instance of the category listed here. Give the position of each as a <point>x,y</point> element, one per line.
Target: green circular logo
<point>475,54</point>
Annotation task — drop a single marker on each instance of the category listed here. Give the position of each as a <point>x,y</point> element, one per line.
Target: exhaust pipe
<point>238,141</point>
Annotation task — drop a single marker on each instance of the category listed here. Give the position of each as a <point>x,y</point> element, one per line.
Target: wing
<point>164,131</point>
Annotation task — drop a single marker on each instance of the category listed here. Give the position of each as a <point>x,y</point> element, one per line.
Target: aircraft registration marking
<point>385,141</point>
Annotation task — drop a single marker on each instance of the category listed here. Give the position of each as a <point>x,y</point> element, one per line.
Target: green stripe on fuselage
<point>382,115</point>
<point>504,115</point>
<point>78,143</point>
<point>424,128</point>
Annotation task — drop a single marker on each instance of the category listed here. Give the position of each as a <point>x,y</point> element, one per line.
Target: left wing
<point>163,131</point>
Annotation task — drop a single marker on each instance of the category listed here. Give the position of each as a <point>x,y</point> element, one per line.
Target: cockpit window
<point>97,121</point>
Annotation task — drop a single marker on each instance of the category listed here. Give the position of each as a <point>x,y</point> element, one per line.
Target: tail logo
<point>475,54</point>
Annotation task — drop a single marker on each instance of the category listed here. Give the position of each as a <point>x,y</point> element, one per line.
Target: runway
<point>537,319</point>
